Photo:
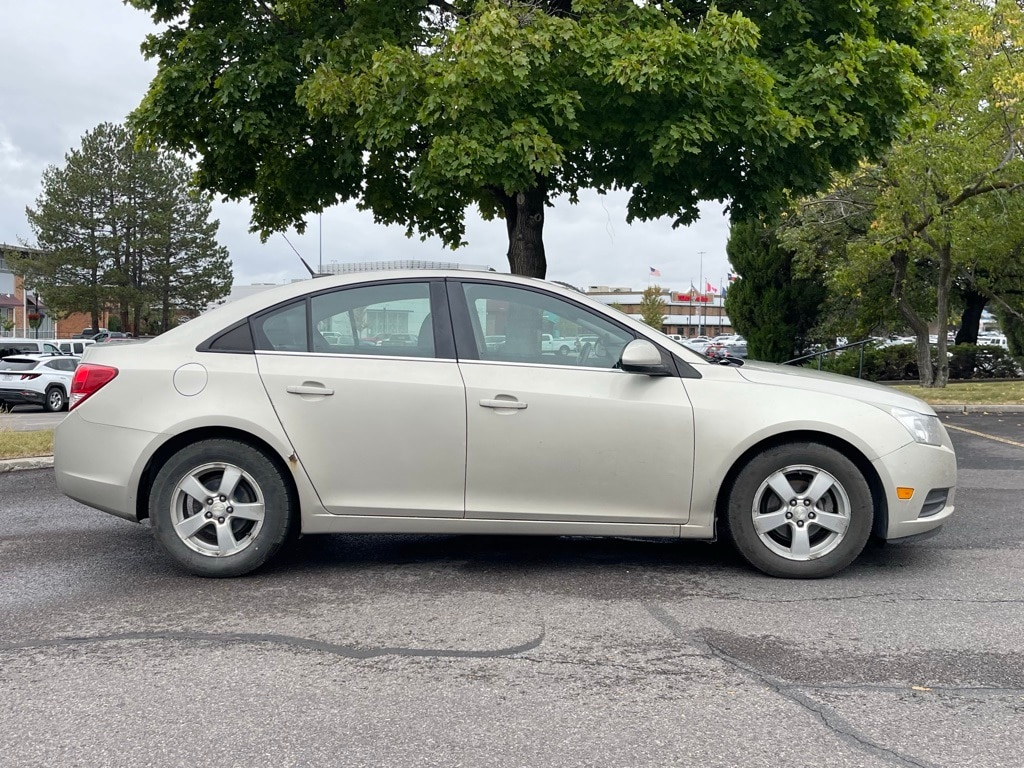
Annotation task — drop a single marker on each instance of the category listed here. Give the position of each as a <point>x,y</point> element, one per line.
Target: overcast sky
<point>68,65</point>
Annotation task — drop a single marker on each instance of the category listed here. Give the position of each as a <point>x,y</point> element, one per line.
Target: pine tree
<point>123,228</point>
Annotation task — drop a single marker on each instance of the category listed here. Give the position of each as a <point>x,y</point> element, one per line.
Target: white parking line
<point>982,434</point>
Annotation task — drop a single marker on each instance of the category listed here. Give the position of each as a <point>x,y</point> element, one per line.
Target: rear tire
<point>799,511</point>
<point>221,508</point>
<point>55,400</point>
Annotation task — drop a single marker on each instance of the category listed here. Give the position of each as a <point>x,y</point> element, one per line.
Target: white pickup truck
<point>560,346</point>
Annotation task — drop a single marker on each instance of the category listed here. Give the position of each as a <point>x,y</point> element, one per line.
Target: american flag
<point>655,272</point>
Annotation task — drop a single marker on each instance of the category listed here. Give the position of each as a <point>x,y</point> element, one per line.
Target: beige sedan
<point>275,415</point>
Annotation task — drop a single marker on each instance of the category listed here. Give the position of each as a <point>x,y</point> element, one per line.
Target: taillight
<point>29,376</point>
<point>89,379</point>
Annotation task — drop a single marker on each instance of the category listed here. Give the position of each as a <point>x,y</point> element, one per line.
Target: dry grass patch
<point>971,393</point>
<point>23,445</point>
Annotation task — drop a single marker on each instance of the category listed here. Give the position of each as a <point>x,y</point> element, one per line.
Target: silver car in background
<point>271,416</point>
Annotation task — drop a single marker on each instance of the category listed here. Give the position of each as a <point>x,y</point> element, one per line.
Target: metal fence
<point>818,355</point>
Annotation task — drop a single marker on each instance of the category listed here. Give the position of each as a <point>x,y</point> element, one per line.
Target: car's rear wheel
<point>800,511</point>
<point>221,508</point>
<point>56,400</point>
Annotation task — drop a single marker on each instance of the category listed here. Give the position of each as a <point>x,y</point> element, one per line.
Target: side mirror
<point>641,356</point>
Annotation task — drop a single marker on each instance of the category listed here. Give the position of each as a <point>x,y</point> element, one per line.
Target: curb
<point>971,408</point>
<point>36,462</point>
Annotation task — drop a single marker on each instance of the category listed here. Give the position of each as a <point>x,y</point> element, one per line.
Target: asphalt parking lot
<point>491,651</point>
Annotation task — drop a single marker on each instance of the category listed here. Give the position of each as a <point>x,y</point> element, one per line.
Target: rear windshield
<point>16,364</point>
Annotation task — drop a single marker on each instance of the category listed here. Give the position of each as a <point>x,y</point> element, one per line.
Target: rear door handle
<point>305,389</point>
<point>515,404</point>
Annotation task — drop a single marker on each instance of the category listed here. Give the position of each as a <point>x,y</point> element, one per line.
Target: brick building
<point>17,306</point>
<point>687,313</point>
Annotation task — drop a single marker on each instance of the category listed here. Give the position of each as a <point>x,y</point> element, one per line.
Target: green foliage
<point>971,361</point>
<point>1013,328</point>
<point>899,363</point>
<point>769,305</point>
<point>114,323</point>
<point>652,307</point>
<point>420,110</point>
<point>893,363</point>
<point>122,227</point>
<point>946,204</point>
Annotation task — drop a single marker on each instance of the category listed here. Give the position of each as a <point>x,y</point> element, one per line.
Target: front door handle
<point>305,389</point>
<point>515,404</point>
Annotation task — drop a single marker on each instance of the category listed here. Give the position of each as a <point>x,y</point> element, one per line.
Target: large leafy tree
<point>121,227</point>
<point>421,109</point>
<point>945,203</point>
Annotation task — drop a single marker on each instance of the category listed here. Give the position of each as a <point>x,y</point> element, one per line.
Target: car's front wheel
<point>800,511</point>
<point>221,508</point>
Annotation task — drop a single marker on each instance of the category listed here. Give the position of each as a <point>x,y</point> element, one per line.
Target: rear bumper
<point>22,397</point>
<point>94,463</point>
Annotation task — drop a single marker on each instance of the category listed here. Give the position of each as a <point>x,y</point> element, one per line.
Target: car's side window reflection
<point>282,330</point>
<point>520,325</point>
<point>386,319</point>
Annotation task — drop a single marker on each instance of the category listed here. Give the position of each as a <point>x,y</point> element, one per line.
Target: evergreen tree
<point>769,305</point>
<point>123,228</point>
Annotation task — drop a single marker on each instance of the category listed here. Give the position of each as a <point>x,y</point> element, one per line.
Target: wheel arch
<point>880,515</point>
<point>176,443</point>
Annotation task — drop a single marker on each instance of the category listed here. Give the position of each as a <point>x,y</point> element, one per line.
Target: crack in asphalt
<point>829,717</point>
<point>246,638</point>
<point>888,597</point>
<point>952,690</point>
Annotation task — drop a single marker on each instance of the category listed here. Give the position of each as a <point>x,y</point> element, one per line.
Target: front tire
<point>801,511</point>
<point>221,508</point>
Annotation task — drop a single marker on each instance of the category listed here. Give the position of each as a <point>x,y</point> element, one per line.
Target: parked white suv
<point>36,380</point>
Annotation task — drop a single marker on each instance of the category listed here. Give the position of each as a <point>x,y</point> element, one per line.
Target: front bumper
<point>930,471</point>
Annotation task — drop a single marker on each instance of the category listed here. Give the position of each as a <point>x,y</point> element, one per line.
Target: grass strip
<point>970,393</point>
<point>24,445</point>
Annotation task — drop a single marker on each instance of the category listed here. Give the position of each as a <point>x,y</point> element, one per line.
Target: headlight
<point>922,427</point>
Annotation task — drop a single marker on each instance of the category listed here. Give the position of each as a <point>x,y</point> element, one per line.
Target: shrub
<point>899,363</point>
<point>896,363</point>
<point>987,361</point>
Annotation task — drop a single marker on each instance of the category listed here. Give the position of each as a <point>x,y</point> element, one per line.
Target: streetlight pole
<point>700,290</point>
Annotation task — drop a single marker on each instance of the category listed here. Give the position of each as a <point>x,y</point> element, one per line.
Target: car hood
<point>831,383</point>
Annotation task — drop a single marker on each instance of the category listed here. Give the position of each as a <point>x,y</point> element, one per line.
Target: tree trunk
<point>926,375</point>
<point>524,219</point>
<point>970,321</point>
<point>945,285</point>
